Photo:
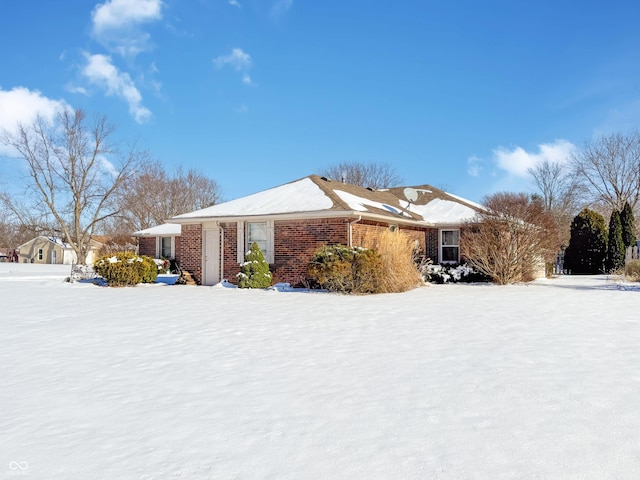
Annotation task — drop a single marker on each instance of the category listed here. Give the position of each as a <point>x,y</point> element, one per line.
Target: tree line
<point>81,182</point>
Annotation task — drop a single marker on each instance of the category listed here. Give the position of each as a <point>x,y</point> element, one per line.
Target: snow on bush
<point>254,271</point>
<point>126,269</point>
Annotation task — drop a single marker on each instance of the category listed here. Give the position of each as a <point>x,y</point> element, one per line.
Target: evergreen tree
<point>588,243</point>
<point>254,272</point>
<point>615,245</point>
<point>628,226</point>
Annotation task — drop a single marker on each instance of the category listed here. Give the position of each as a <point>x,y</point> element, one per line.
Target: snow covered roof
<point>166,229</point>
<point>315,194</point>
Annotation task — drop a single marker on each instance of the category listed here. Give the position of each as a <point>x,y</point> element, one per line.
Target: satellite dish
<point>411,194</point>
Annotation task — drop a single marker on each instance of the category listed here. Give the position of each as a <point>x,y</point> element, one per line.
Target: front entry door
<point>211,256</point>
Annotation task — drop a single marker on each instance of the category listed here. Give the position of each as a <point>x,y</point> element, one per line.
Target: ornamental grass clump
<point>254,271</point>
<point>397,254</point>
<point>632,270</point>
<point>126,269</point>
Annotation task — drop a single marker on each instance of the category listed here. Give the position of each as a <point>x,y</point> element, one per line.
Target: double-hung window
<point>40,254</point>
<point>449,246</point>
<point>258,232</point>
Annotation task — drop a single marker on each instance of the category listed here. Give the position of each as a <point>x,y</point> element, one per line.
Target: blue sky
<point>255,93</point>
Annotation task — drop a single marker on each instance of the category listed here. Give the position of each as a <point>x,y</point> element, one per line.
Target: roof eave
<point>305,215</point>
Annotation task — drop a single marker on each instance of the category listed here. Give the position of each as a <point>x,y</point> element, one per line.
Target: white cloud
<point>22,106</point>
<point>100,71</point>
<point>474,166</point>
<point>235,3</point>
<point>237,59</point>
<point>116,24</point>
<point>518,161</point>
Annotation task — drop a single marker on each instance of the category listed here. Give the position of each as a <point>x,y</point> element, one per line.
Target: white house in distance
<point>53,250</point>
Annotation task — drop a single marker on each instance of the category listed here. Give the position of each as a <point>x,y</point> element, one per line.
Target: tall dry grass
<point>397,253</point>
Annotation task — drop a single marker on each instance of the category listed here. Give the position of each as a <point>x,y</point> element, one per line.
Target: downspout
<point>221,248</point>
<point>351,223</point>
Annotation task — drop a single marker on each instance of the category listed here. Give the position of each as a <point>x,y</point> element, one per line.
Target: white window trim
<point>159,246</point>
<point>242,244</point>
<point>440,245</point>
<point>40,254</point>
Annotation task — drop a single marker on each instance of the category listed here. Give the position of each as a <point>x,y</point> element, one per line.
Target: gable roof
<point>315,195</point>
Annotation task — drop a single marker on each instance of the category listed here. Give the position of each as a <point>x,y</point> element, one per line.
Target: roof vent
<point>325,179</point>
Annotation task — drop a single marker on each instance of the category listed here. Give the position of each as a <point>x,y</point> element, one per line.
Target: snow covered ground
<point>537,381</point>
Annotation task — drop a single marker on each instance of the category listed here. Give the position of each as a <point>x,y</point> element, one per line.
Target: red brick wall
<point>432,245</point>
<point>230,265</point>
<point>190,252</point>
<point>177,250</point>
<point>147,246</point>
<point>295,243</point>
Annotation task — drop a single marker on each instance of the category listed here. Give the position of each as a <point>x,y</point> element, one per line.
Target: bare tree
<point>560,192</point>
<point>373,175</point>
<point>151,197</point>
<point>610,169</point>
<point>74,172</point>
<point>511,239</point>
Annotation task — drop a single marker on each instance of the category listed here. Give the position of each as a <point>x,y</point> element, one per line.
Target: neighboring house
<point>290,222</point>
<point>162,241</point>
<point>54,250</point>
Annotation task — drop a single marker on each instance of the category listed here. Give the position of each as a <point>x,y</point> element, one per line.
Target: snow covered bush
<point>452,274</point>
<point>254,271</point>
<point>343,269</point>
<point>126,268</point>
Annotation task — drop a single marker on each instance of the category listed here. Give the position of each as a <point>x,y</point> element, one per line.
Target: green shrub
<point>338,268</point>
<point>126,268</point>
<point>632,270</point>
<point>588,243</point>
<point>254,271</point>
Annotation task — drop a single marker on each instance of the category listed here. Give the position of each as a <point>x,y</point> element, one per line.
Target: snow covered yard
<point>537,381</point>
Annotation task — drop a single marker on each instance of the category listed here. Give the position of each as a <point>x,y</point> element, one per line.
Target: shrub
<point>342,269</point>
<point>452,274</point>
<point>397,253</point>
<point>588,244</point>
<point>254,271</point>
<point>126,268</point>
<point>628,226</point>
<point>632,270</point>
<point>615,244</point>
<point>511,239</point>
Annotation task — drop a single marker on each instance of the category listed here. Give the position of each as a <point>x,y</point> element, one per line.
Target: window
<point>450,246</point>
<point>40,254</point>
<point>257,232</point>
<point>165,247</point>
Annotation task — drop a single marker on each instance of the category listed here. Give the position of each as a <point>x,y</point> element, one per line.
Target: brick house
<point>291,221</point>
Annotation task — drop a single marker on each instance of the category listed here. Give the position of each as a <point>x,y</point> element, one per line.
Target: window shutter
<point>270,257</point>
<point>241,246</point>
